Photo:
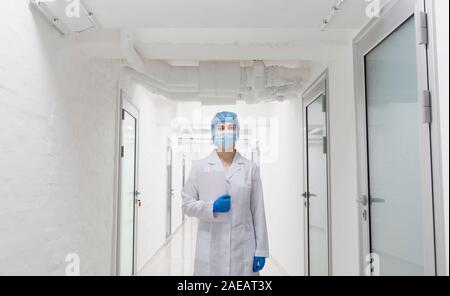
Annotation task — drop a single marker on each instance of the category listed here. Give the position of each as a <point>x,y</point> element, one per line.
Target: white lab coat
<point>227,247</point>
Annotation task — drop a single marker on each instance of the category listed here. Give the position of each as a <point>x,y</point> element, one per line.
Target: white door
<point>317,218</point>
<point>127,189</point>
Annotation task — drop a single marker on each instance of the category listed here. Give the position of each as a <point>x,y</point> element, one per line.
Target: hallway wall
<point>283,188</point>
<point>57,122</point>
<point>343,177</point>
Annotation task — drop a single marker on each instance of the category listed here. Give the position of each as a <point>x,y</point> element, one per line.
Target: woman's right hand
<point>222,204</point>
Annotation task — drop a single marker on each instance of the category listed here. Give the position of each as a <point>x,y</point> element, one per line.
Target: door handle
<point>377,200</point>
<point>362,200</point>
<point>138,200</point>
<point>308,194</point>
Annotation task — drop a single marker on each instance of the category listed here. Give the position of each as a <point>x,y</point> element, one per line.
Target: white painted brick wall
<point>57,138</point>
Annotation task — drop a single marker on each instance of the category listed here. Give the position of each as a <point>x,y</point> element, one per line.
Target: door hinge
<point>324,103</point>
<point>122,151</point>
<point>123,114</point>
<point>425,101</point>
<point>422,27</point>
<point>325,145</point>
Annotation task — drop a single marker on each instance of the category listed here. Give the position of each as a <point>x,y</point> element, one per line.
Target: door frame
<point>392,16</point>
<point>320,87</point>
<point>169,189</point>
<point>125,104</point>
<point>436,145</point>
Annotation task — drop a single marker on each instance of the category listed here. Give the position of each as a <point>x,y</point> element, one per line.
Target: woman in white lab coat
<point>237,245</point>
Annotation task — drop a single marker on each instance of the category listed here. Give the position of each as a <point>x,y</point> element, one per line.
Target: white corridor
<point>112,116</point>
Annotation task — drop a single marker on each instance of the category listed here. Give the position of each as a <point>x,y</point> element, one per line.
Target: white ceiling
<point>225,13</point>
<point>186,31</point>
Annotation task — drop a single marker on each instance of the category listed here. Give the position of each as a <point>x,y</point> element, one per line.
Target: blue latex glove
<point>258,263</point>
<point>222,204</point>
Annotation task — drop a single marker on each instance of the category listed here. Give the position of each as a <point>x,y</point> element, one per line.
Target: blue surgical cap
<point>224,117</point>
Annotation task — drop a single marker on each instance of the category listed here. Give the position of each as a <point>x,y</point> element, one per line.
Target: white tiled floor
<point>176,257</point>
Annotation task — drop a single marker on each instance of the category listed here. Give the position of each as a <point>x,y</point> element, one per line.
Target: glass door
<point>397,197</point>
<point>183,181</point>
<point>395,192</point>
<point>316,195</point>
<point>170,191</point>
<point>128,191</point>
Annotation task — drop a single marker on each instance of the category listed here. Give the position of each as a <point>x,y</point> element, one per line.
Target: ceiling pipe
<point>213,82</point>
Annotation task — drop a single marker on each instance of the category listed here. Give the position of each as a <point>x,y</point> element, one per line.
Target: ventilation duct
<point>214,82</point>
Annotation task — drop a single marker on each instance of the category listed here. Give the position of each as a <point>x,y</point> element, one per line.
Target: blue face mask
<point>225,140</point>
